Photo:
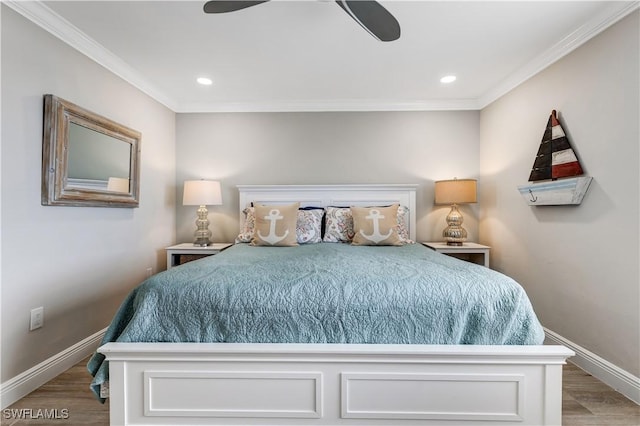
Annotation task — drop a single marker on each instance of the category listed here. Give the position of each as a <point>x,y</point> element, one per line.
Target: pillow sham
<point>275,225</point>
<point>375,226</point>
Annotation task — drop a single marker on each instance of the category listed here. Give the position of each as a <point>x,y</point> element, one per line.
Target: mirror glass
<point>88,160</point>
<point>97,160</point>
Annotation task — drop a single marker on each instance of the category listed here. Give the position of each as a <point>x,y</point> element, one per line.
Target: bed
<point>383,335</point>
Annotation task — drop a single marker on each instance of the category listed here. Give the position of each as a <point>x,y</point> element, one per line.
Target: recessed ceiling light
<point>448,79</point>
<point>204,81</point>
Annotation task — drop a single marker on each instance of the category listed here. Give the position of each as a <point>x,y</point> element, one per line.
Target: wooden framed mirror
<point>88,160</point>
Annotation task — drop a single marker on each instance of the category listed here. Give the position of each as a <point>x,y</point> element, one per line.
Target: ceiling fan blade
<point>372,17</point>
<point>222,6</point>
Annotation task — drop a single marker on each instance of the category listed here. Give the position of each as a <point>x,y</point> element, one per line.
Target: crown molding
<point>331,105</point>
<point>590,29</point>
<point>50,21</point>
<point>47,19</point>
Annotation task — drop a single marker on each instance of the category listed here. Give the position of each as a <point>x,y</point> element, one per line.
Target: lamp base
<point>202,234</point>
<point>454,234</point>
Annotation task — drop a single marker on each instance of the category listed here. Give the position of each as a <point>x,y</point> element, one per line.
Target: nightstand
<point>471,252</point>
<point>186,252</point>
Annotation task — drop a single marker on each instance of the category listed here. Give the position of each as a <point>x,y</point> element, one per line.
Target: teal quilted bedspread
<point>325,293</point>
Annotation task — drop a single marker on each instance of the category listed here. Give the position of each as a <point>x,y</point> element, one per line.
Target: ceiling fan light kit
<point>369,14</point>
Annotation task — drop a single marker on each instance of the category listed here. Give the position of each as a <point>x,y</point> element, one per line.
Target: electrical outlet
<point>37,318</point>
<point>149,272</point>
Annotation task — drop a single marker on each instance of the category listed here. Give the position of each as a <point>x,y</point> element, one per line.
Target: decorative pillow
<point>338,225</point>
<point>403,219</point>
<point>248,225</point>
<point>375,226</point>
<point>309,225</point>
<point>275,225</point>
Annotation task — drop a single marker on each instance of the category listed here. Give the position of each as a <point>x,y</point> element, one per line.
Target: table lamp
<point>202,193</point>
<point>454,192</point>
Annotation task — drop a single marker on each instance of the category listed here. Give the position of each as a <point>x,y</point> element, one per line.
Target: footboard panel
<point>299,384</point>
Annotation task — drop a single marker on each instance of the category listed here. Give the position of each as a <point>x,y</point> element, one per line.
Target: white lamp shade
<point>202,193</point>
<point>456,191</point>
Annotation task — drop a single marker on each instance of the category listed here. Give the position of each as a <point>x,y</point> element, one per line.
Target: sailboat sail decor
<point>555,177</point>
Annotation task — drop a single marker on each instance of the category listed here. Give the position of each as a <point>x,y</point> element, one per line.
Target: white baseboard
<point>30,380</point>
<point>610,374</point>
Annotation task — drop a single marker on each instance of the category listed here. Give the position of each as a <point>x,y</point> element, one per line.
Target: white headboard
<point>334,195</point>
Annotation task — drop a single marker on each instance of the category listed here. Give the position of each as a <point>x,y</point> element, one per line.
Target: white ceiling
<point>311,56</point>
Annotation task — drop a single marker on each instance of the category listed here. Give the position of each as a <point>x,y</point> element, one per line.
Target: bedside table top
<point>204,249</point>
<point>466,247</point>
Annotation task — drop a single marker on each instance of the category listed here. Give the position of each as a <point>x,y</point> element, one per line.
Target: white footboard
<point>304,384</point>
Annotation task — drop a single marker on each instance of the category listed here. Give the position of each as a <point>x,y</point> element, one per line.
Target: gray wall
<point>578,264</point>
<point>78,263</point>
<point>325,148</point>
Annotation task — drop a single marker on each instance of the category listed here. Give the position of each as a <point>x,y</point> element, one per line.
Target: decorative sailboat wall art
<point>556,176</point>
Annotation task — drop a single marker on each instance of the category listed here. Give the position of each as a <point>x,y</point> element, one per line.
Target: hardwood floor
<point>586,402</point>
<point>69,391</point>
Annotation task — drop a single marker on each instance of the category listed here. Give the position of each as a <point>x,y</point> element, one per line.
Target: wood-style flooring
<point>586,402</point>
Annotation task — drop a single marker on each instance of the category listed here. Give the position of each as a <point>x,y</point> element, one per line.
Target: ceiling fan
<point>371,15</point>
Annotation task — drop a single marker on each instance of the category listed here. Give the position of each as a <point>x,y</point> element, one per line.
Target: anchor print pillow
<point>308,227</point>
<point>339,225</point>
<point>375,226</point>
<point>275,225</point>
